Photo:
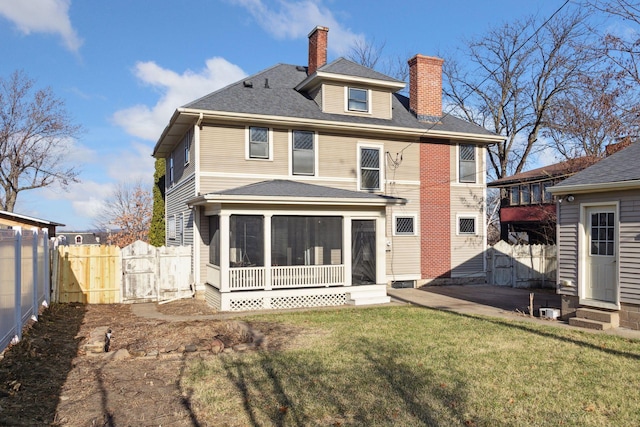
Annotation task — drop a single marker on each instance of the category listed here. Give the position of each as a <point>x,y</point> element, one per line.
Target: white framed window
<point>172,227</point>
<point>303,152</point>
<point>370,167</point>
<point>78,240</point>
<point>187,146</point>
<point>405,225</point>
<point>171,169</point>
<point>467,225</point>
<point>258,143</point>
<point>357,99</point>
<point>467,170</point>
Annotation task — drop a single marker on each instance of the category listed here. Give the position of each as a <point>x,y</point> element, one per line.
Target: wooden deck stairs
<point>595,319</point>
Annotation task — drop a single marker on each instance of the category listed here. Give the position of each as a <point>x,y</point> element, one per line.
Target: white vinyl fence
<point>522,266</point>
<point>24,279</point>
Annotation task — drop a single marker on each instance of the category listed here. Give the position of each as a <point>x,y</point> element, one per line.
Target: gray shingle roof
<point>349,68</point>
<point>272,93</point>
<point>619,167</point>
<point>286,188</point>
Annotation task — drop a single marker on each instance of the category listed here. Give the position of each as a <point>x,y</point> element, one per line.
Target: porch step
<point>378,296</point>
<point>595,319</point>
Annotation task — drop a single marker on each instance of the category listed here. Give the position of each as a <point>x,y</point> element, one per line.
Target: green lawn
<point>414,366</point>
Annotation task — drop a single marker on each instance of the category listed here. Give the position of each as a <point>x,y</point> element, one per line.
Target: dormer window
<point>358,100</point>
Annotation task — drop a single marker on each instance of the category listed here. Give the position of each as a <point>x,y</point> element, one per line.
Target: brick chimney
<point>317,48</point>
<point>425,87</point>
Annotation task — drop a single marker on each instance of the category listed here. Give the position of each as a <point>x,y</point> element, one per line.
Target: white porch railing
<point>299,276</point>
<point>246,278</point>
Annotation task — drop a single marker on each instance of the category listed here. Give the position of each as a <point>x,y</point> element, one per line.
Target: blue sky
<point>122,67</point>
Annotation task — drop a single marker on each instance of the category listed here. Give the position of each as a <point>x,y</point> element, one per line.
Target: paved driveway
<point>479,299</point>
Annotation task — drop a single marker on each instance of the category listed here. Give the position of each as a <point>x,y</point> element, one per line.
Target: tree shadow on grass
<point>543,332</point>
<point>375,387</point>
<point>34,371</point>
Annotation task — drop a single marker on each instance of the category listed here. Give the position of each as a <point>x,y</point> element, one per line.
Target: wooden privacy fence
<point>522,266</point>
<point>24,279</point>
<point>106,274</point>
<point>87,274</point>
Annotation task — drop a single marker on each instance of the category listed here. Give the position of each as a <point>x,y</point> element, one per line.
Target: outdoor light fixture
<point>570,198</point>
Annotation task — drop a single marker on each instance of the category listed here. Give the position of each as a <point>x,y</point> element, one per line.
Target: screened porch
<point>271,252</point>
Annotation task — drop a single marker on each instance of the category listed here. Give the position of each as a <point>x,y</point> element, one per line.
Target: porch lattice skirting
<point>295,298</point>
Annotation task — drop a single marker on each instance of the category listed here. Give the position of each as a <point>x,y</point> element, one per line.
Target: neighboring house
<point>599,240</point>
<point>12,220</point>
<point>527,209</point>
<point>321,184</point>
<point>71,238</point>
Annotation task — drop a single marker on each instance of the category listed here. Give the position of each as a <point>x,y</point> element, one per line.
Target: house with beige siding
<point>320,184</point>
<point>599,242</point>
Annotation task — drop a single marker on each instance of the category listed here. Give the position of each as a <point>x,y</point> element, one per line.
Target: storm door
<point>363,252</point>
<point>600,262</point>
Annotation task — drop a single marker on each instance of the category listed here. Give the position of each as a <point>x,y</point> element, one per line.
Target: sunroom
<point>284,244</point>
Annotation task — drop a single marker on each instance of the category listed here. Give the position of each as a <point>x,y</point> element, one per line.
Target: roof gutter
<point>327,124</point>
<point>288,200</point>
<point>595,188</point>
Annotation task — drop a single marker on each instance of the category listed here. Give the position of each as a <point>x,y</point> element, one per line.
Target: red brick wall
<point>435,211</point>
<point>425,86</point>
<point>317,48</point>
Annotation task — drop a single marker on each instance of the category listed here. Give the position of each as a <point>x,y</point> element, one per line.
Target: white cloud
<point>295,19</point>
<point>177,89</point>
<point>132,165</point>
<point>42,16</point>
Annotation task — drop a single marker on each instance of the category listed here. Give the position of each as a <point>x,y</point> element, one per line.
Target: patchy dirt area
<point>60,375</point>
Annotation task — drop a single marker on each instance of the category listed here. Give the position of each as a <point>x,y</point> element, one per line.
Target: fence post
<point>34,262</point>
<point>18,283</point>
<point>46,260</point>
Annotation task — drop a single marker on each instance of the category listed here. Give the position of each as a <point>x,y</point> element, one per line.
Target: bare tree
<point>621,48</point>
<point>128,212</point>
<point>35,133</point>
<point>366,53</point>
<point>596,113</point>
<point>517,72</point>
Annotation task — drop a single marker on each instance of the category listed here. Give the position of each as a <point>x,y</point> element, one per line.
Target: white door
<point>600,282</point>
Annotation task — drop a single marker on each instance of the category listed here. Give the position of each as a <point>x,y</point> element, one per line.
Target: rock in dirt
<point>217,346</point>
<point>120,354</point>
<point>190,348</point>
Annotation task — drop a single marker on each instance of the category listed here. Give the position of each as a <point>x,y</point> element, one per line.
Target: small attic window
<point>358,100</point>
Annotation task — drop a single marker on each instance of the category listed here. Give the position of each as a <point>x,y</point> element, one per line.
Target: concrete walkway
<point>487,300</point>
<point>495,301</point>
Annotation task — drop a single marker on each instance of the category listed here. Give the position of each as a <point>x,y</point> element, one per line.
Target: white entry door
<point>600,270</point>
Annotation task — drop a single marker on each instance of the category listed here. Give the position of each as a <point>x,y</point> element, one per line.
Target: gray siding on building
<point>176,204</point>
<point>630,248</point>
<point>568,219</point>
<point>628,233</point>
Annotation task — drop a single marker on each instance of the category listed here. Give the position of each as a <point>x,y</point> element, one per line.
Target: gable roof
<point>620,170</point>
<point>349,68</point>
<point>13,219</point>
<point>556,170</point>
<point>284,190</point>
<point>272,94</point>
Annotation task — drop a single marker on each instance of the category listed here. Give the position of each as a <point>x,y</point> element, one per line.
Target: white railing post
<point>267,253</point>
<point>224,253</point>
<point>18,282</point>
<point>346,249</point>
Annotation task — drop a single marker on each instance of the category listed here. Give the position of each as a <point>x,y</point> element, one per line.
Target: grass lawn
<point>414,366</point>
